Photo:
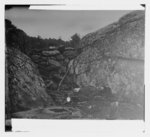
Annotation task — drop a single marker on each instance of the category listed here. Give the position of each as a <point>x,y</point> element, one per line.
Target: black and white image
<point>77,64</point>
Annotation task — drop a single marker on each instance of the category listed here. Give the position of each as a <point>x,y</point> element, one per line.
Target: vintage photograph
<point>74,64</point>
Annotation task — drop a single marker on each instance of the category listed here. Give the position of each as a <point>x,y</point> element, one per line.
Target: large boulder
<point>124,38</point>
<point>25,88</point>
<point>114,57</point>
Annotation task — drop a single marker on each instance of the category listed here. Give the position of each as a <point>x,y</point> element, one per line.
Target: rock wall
<point>114,57</point>
<point>25,89</point>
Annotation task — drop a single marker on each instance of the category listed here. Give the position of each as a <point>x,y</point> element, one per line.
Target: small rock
<point>76,89</point>
<point>101,88</point>
<point>77,114</point>
<point>52,47</point>
<point>89,107</point>
<point>68,99</point>
<point>49,53</point>
<point>115,104</point>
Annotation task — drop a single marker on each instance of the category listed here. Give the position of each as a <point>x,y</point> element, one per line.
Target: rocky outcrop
<point>53,65</point>
<point>114,57</point>
<point>25,88</point>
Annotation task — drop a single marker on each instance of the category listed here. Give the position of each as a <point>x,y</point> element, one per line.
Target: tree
<point>75,40</point>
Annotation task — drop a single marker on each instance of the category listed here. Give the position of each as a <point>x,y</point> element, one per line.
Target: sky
<point>61,24</point>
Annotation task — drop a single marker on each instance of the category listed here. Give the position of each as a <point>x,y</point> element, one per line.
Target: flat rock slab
<point>54,112</point>
<point>86,110</point>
